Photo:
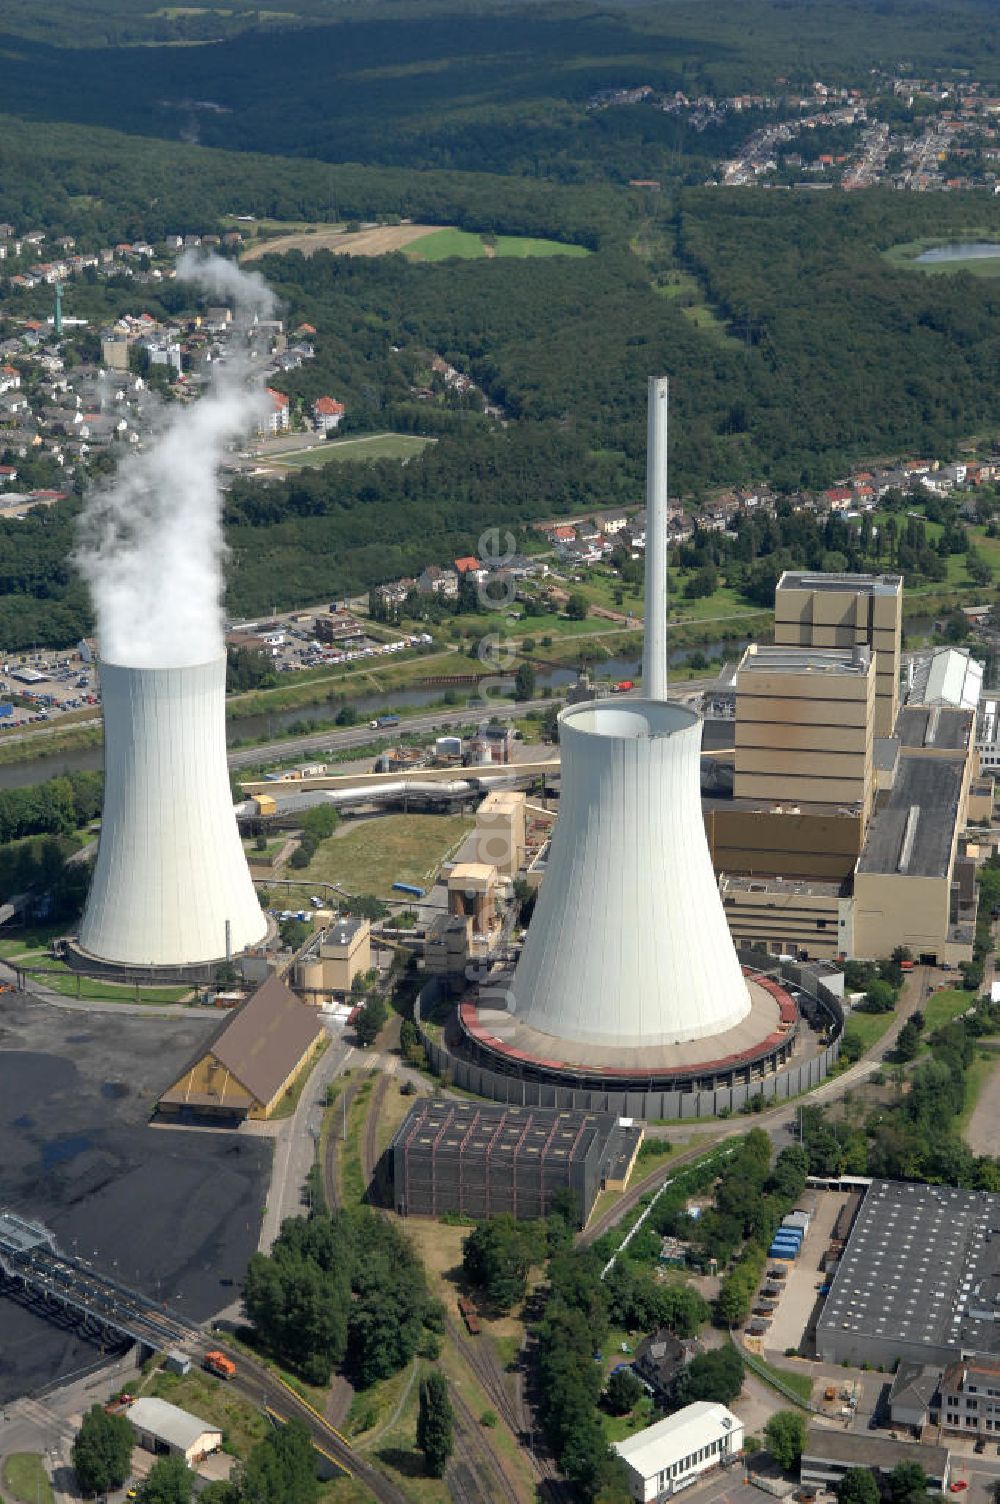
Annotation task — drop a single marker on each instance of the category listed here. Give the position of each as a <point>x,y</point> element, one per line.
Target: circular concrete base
<point>759,1044</point>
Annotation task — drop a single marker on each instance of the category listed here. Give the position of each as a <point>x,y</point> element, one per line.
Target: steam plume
<point>151,546</point>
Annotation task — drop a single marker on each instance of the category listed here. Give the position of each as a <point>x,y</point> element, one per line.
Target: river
<point>246,730</point>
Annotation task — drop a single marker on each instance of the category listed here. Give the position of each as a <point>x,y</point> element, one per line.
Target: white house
<point>278,418</point>
<point>327,413</point>
<point>663,1459</point>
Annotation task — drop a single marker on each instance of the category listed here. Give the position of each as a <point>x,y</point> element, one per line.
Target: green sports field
<point>466,244</point>
<point>369,446</point>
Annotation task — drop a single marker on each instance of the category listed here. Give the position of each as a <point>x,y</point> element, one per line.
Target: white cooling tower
<point>171,885</point>
<point>628,945</point>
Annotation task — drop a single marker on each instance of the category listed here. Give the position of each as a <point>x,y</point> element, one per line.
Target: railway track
<point>369,1140</point>
<point>272,1394</point>
<point>469,1443</point>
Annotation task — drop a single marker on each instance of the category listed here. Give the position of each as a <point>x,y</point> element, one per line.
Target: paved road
<point>296,1139</point>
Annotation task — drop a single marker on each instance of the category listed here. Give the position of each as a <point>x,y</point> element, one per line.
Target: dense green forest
<point>456,85</point>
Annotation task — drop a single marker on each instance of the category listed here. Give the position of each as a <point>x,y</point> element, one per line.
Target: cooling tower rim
<point>162,668</point>
<point>628,720</point>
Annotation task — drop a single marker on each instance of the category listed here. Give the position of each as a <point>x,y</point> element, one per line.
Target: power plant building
<point>628,976</point>
<point>483,1159</point>
<point>847,611</point>
<point>171,887</point>
<point>805,726</point>
<point>244,1069</point>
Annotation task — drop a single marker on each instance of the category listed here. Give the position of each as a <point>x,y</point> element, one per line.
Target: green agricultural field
<point>391,848</point>
<point>373,446</point>
<point>466,244</point>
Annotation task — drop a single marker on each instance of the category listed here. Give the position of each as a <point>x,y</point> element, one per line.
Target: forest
<point>436,85</point>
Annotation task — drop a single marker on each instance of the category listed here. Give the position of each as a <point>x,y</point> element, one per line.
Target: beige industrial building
<point>845,611</point>
<point>841,838</point>
<point>472,892</point>
<point>500,833</point>
<point>333,958</point>
<point>805,727</point>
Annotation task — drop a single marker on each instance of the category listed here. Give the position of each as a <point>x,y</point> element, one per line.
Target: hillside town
<point>920,134</point>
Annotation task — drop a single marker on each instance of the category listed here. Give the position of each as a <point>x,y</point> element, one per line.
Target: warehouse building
<point>919,1279</point>
<point>667,1457</point>
<point>483,1159</point>
<point>162,1427</point>
<point>249,1063</point>
<point>829,1454</point>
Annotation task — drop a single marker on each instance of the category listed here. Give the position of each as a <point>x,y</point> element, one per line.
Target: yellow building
<point>246,1067</point>
<point>805,727</point>
<point>335,957</point>
<point>844,611</point>
<point>500,831</point>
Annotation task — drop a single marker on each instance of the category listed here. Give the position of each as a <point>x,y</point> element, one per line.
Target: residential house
<point>437,581</point>
<point>472,567</point>
<point>970,1397</point>
<point>278,418</point>
<point>327,413</point>
<point>659,1358</point>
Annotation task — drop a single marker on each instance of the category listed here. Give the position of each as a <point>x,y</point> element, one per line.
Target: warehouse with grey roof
<point>919,1279</point>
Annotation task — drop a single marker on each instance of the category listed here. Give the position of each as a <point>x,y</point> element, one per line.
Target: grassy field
<point>941,1007</point>
<point>868,1027</point>
<point>393,848</point>
<point>798,1383</point>
<point>369,446</point>
<point>56,976</point>
<point>25,1479</point>
<point>442,244</point>
<point>352,1179</point>
<point>976,1076</point>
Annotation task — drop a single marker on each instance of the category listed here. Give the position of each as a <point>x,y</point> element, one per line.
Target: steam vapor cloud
<point>151,545</point>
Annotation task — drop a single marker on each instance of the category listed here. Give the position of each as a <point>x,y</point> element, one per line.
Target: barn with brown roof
<point>247,1065</point>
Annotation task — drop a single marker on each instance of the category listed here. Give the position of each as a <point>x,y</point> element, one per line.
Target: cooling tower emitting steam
<point>171,888</point>
<point>151,542</point>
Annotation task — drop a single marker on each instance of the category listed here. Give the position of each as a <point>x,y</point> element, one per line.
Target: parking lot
<point>45,686</point>
<point>800,1292</point>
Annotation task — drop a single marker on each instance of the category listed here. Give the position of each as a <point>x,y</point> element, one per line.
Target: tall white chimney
<point>654,650</point>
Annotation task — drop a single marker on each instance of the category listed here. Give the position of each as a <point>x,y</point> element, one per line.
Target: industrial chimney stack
<point>654,651</point>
